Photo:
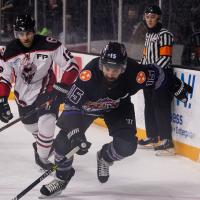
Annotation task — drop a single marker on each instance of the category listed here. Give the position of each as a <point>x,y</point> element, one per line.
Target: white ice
<point>142,176</point>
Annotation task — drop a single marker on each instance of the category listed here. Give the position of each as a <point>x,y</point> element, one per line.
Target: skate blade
<point>56,194</point>
<point>148,147</point>
<point>166,152</point>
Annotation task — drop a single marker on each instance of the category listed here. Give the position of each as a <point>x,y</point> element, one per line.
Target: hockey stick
<point>20,118</point>
<point>48,172</point>
<point>56,87</point>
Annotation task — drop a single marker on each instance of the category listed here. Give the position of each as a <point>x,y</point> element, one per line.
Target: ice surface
<point>142,176</point>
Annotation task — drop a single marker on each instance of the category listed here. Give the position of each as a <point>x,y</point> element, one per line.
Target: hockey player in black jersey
<point>29,60</point>
<point>103,89</point>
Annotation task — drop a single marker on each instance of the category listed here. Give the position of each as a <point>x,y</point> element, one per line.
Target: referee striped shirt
<point>158,48</point>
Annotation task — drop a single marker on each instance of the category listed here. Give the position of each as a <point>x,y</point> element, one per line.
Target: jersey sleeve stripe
<point>144,51</point>
<point>166,51</point>
<point>3,80</point>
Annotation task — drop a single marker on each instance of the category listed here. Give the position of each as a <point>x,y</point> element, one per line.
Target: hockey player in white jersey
<point>29,60</point>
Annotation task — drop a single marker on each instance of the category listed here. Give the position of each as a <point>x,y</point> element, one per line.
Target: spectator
<point>191,52</point>
<point>72,34</point>
<point>10,10</point>
<point>54,16</point>
<point>130,22</point>
<point>133,30</point>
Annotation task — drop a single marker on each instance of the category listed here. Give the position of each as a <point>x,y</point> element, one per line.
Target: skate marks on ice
<point>129,184</point>
<point>125,192</point>
<point>143,176</point>
<point>115,194</point>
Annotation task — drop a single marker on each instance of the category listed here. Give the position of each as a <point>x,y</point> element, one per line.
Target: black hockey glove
<point>5,113</point>
<point>166,78</point>
<point>58,94</point>
<point>180,89</point>
<point>78,139</point>
<point>54,98</point>
<point>156,76</point>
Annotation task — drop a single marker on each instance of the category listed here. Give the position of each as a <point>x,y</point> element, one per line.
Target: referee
<point>157,50</point>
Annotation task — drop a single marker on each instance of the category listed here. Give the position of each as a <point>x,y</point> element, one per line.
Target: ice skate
<point>166,148</point>
<point>148,143</point>
<point>102,168</point>
<point>44,164</point>
<point>56,186</point>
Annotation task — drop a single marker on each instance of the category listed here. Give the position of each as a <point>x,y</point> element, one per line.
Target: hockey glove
<point>180,89</point>
<point>5,113</point>
<point>58,94</point>
<point>54,98</point>
<point>155,77</point>
<point>78,139</point>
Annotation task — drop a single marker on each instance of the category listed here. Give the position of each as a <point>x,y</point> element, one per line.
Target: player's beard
<point>110,83</point>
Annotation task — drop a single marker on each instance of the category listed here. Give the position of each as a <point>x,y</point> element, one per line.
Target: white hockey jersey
<point>33,67</point>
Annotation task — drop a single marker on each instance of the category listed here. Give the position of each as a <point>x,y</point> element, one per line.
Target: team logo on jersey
<point>141,77</point>
<point>28,72</point>
<point>28,69</point>
<point>101,105</point>
<point>42,56</point>
<point>85,75</point>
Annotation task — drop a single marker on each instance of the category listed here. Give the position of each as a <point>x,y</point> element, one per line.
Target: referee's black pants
<point>158,113</point>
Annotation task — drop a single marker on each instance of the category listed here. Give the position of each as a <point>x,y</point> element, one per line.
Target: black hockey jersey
<point>92,93</point>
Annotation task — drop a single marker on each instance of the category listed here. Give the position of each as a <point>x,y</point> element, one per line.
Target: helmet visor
<point>113,65</point>
<point>20,34</point>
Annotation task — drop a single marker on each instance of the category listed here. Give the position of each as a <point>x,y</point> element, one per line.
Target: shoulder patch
<point>45,43</point>
<point>85,75</point>
<point>141,77</point>
<point>51,40</point>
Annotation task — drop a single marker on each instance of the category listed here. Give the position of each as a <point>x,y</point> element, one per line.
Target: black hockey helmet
<point>153,9</point>
<point>24,23</point>
<point>113,55</point>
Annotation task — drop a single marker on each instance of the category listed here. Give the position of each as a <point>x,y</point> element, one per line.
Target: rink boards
<point>185,117</point>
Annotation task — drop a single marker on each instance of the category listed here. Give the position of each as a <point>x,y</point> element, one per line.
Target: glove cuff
<point>178,92</point>
<point>3,99</point>
<point>60,88</point>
